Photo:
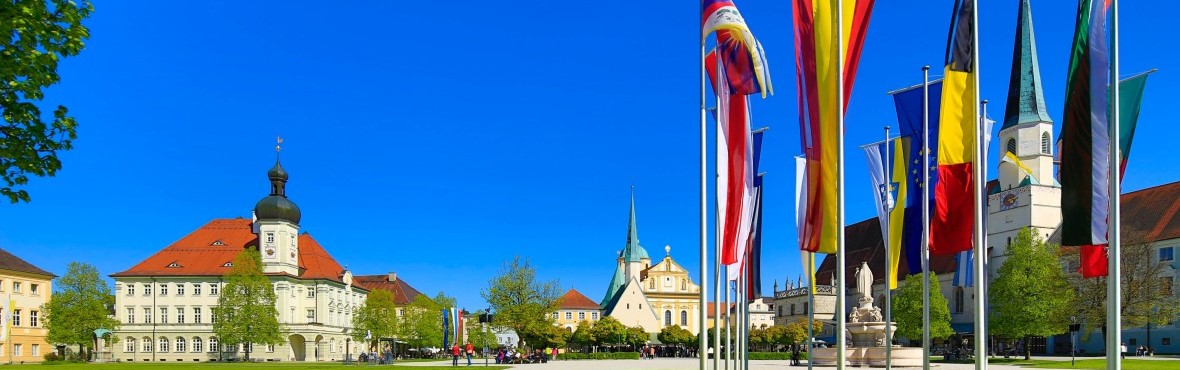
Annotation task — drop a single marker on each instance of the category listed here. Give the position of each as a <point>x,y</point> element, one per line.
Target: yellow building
<point>575,308</point>
<point>26,288</point>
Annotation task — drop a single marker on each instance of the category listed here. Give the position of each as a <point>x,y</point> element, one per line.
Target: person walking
<point>470,349</point>
<point>1123,349</point>
<point>455,355</point>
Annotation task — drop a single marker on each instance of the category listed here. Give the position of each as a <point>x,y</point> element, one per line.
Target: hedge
<point>775,355</point>
<point>599,356</point>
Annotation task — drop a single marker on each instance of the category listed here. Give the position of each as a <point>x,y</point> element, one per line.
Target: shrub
<point>775,355</point>
<point>599,356</point>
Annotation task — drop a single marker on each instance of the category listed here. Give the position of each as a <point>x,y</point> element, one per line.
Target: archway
<point>298,347</point>
<point>319,341</point>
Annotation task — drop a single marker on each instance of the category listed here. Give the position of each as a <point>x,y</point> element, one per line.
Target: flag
<point>806,257</point>
<point>1130,99</point>
<point>908,104</point>
<point>887,194</point>
<point>964,269</point>
<point>1085,153</point>
<point>446,321</point>
<point>819,71</point>
<point>754,256</point>
<point>1011,158</point>
<point>743,54</point>
<point>954,200</point>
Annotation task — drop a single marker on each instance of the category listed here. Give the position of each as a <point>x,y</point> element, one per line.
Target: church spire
<point>1026,102</point>
<point>633,252</point>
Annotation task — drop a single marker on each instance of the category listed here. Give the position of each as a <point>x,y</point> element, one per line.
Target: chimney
<point>392,277</point>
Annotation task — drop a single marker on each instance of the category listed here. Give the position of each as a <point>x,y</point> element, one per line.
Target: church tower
<point>634,258</point>
<point>277,225</point>
<point>1028,196</point>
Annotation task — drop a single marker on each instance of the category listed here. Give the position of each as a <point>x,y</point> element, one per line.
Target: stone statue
<point>864,280</point>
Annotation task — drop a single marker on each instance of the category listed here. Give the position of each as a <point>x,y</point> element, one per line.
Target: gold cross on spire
<point>278,143</point>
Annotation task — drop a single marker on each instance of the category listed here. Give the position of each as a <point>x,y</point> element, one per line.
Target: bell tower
<point>1027,131</point>
<point>277,225</point>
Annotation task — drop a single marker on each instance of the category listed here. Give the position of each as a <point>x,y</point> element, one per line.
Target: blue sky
<point>438,141</point>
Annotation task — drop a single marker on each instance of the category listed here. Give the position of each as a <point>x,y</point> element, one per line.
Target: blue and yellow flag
<point>888,166</point>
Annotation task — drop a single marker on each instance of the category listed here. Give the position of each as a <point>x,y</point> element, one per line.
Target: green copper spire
<point>633,252</point>
<point>616,283</point>
<point>1026,102</point>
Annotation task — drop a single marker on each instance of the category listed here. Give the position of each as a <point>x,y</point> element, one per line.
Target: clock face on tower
<point>1009,201</point>
<point>270,252</point>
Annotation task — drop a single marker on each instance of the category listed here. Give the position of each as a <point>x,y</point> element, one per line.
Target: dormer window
<point>173,265</point>
<point>217,243</point>
<point>228,264</point>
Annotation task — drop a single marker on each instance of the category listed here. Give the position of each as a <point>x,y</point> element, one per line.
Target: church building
<point>165,302</point>
<point>650,296</point>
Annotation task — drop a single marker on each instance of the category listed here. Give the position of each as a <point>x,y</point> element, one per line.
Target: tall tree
<point>608,331</point>
<point>443,300</point>
<point>377,318</point>
<point>636,336</point>
<point>582,336</point>
<point>1030,296</point>
<point>78,308</point>
<point>907,309</point>
<point>37,34</point>
<point>675,335</point>
<point>245,310</point>
<point>423,323</point>
<point>1148,295</point>
<point>520,301</point>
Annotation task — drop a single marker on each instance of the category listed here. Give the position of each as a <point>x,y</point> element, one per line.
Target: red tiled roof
<point>863,244</point>
<point>402,292</point>
<point>710,307</point>
<point>11,262</point>
<point>574,300</point>
<point>1152,214</point>
<point>205,252</point>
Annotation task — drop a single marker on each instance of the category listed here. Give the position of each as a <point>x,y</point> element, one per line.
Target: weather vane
<point>278,143</point>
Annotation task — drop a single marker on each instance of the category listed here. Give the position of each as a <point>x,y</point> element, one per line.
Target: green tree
<point>37,34</point>
<point>79,307</point>
<point>636,336</point>
<point>675,335</point>
<point>608,331</point>
<point>377,317</point>
<point>555,336</point>
<point>444,301</point>
<point>479,334</point>
<point>907,309</point>
<point>1147,294</point>
<point>522,303</point>
<point>245,310</point>
<point>582,335</point>
<point>1030,296</point>
<point>423,323</point>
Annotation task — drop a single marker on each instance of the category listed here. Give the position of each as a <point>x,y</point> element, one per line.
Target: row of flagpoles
<point>950,194</point>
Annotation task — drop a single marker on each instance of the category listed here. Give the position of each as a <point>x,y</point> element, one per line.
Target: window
<point>130,316</point>
<point>197,289</point>
<point>34,291</point>
<point>147,289</point>
<point>804,308</point>
<point>196,344</point>
<point>270,238</point>
<point>163,289</point>
<point>180,347</point>
<point>628,306</point>
<point>271,347</point>
<point>196,317</point>
<point>401,312</point>
<point>16,350</point>
<point>130,289</point>
<point>667,317</point>
<point>310,315</point>
<point>792,308</point>
<point>1132,342</point>
<point>147,344</point>
<point>129,345</point>
<point>163,315</point>
<point>569,315</point>
<point>213,345</point>
<point>163,344</point>
<point>958,299</point>
<point>212,289</point>
<point>641,306</point>
<point>33,318</point>
<point>147,316</point>
<point>180,315</point>
<point>332,345</point>
<point>1045,143</point>
<point>310,293</point>
<point>1012,146</point>
<point>683,317</point>
<point>581,315</point>
<point>1166,254</point>
<point>683,284</point>
<point>16,287</point>
<point>1166,341</point>
<point>780,310</point>
<point>15,317</point>
<point>180,289</point>
<point>594,316</point>
<point>248,347</point>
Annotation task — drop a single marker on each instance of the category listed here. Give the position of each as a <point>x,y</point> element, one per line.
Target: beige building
<point>27,288</point>
<point>652,297</point>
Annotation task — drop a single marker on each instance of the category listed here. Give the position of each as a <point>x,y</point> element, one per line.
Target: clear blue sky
<point>439,139</point>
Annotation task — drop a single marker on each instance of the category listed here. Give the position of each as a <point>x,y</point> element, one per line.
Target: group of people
<point>512,356</point>
<point>1139,351</point>
<point>456,351</point>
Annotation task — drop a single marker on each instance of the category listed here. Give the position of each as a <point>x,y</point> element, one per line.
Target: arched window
<point>180,345</point>
<point>683,317</point>
<point>1012,146</point>
<point>163,345</point>
<point>147,344</point>
<point>1045,143</point>
<point>683,284</point>
<point>130,346</point>
<point>332,345</point>
<point>667,317</point>
<point>196,344</point>
<point>213,345</point>
<point>958,299</point>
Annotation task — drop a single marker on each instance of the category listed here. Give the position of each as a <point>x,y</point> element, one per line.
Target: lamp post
<point>347,350</point>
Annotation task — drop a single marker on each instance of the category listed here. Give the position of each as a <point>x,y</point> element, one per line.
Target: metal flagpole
<point>840,268</point>
<point>810,312</point>
<point>728,327</point>
<point>716,283</point>
<point>887,174</point>
<point>740,328</point>
<point>1114,298</point>
<point>980,248</point>
<point>746,315</point>
<point>703,221</point>
<point>926,217</point>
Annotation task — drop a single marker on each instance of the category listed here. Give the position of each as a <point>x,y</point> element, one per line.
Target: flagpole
<point>926,217</point>
<point>716,282</point>
<point>810,312</point>
<point>746,294</point>
<point>728,327</point>
<point>840,268</point>
<point>703,221</point>
<point>981,337</point>
<point>887,176</point>
<point>1114,326</point>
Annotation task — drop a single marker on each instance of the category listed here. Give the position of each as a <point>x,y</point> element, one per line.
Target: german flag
<point>954,202</point>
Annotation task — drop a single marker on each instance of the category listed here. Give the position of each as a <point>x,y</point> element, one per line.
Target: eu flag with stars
<point>909,117</point>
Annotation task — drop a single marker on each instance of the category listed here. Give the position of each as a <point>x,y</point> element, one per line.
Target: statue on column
<point>864,281</point>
